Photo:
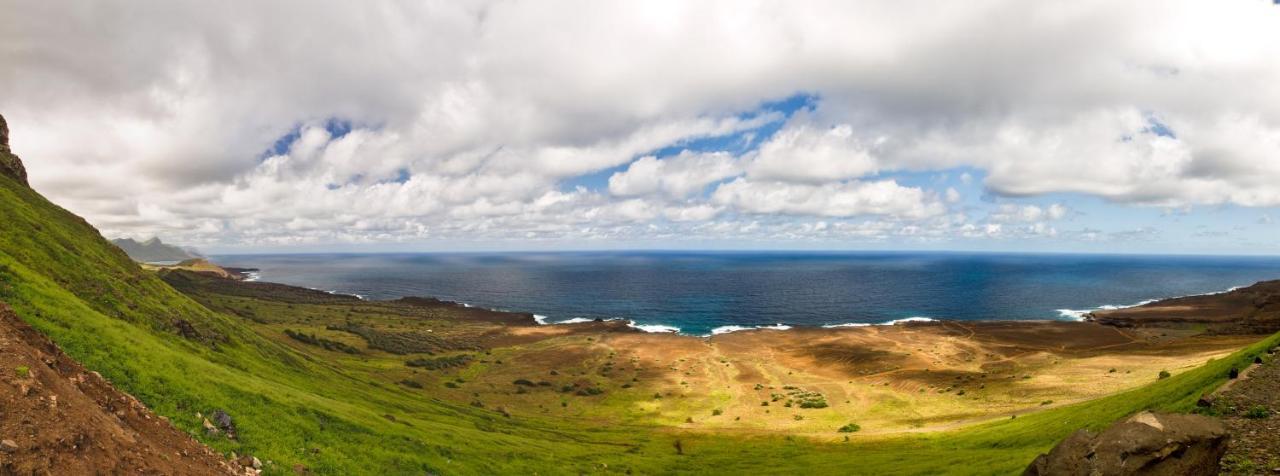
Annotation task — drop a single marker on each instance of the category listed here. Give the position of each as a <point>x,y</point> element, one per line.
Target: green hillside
<point>181,358</point>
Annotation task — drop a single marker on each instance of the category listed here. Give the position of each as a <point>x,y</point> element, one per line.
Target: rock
<point>10,164</point>
<point>249,461</point>
<point>1147,443</point>
<point>186,330</point>
<point>8,446</point>
<point>1205,401</point>
<point>209,428</point>
<point>1257,360</point>
<point>224,423</point>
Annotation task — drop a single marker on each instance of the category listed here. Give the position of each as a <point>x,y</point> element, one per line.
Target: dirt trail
<point>56,417</point>
<point>1249,407</point>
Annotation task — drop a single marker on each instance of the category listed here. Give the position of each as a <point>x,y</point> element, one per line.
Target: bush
<point>439,363</point>
<point>1164,374</point>
<point>850,428</point>
<point>23,371</point>
<point>1257,412</point>
<point>590,391</point>
<point>717,412</point>
<point>813,404</point>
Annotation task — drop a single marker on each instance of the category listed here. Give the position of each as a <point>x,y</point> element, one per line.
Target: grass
<point>328,414</point>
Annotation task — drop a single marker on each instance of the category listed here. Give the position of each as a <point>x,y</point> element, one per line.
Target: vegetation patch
<point>327,344</point>
<point>439,363</point>
<point>850,428</point>
<point>401,343</point>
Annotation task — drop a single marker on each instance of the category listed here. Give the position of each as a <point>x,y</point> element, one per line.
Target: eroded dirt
<point>58,418</point>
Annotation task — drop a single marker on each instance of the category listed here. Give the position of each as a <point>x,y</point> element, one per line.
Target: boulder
<point>223,422</point>
<point>8,446</point>
<point>1147,443</point>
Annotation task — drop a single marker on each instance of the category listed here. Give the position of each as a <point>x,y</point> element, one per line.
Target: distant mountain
<point>153,250</point>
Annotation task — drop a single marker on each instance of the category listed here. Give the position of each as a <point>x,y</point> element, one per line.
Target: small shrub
<point>590,391</point>
<point>1164,374</point>
<point>850,428</point>
<point>818,403</point>
<point>523,383</point>
<point>450,385</point>
<point>1046,402</point>
<point>797,417</point>
<point>717,412</point>
<point>410,384</point>
<point>23,371</point>
<point>1257,412</point>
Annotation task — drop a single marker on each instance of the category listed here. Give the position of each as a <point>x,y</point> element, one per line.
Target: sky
<point>988,125</point>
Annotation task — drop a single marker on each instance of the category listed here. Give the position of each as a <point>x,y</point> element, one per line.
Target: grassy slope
<point>62,277</point>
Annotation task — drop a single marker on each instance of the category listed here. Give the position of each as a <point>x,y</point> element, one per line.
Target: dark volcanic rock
<point>224,423</point>
<point>10,164</point>
<point>4,134</point>
<point>1147,444</point>
<point>1253,310</point>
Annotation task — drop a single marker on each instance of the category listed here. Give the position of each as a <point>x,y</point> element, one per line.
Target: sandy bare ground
<point>888,379</point>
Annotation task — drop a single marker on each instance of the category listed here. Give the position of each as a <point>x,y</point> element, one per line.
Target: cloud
<point>1011,213</point>
<point>495,120</point>
<point>803,153</point>
<point>843,199</point>
<point>677,177</point>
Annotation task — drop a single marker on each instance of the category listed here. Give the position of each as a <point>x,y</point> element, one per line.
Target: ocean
<point>702,293</point>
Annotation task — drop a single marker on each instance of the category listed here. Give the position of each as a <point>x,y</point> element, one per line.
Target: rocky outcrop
<point>10,164</point>
<point>1147,443</point>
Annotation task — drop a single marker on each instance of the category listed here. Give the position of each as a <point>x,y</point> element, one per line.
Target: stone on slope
<point>1147,443</point>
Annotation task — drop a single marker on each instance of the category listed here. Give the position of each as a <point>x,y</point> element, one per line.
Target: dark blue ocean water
<point>698,292</point>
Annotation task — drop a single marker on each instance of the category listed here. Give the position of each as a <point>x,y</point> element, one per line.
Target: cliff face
<point>10,165</point>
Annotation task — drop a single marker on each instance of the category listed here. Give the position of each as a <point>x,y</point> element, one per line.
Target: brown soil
<point>56,417</point>
<point>1255,437</point>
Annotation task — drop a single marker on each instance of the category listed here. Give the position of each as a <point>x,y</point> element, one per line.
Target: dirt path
<point>56,417</point>
<point>1249,407</point>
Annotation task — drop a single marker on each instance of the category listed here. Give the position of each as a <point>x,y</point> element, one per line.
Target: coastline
<point>1066,315</point>
<point>906,375</point>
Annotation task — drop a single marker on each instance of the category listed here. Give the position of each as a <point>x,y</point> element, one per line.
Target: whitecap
<point>908,319</point>
<point>539,318</point>
<point>654,328</point>
<point>846,324</point>
<point>728,329</point>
